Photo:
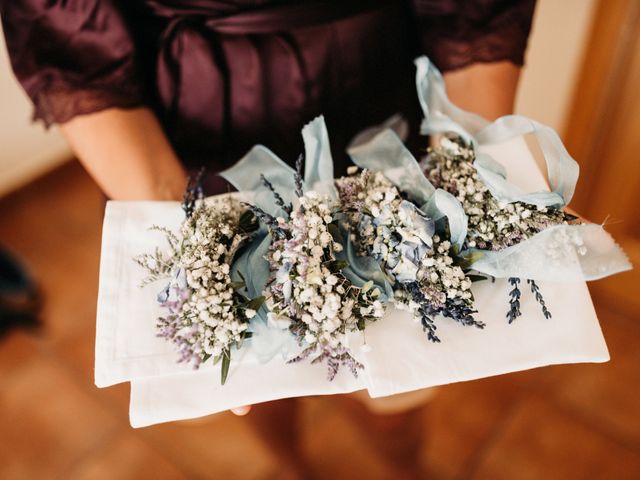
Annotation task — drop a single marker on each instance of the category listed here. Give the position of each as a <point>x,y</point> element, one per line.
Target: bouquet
<point>302,268</point>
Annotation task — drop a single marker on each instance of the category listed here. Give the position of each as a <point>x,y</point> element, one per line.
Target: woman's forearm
<point>127,154</point>
<point>488,89</point>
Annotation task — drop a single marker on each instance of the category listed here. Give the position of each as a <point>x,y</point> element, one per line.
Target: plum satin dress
<point>222,76</point>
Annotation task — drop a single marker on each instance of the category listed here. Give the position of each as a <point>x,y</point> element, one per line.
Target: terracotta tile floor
<point>566,422</point>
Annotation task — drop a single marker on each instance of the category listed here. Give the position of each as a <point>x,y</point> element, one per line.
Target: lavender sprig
<point>193,193</point>
<point>334,358</point>
<point>278,198</point>
<point>298,176</point>
<point>425,313</point>
<point>535,289</point>
<point>514,300</point>
<point>269,220</point>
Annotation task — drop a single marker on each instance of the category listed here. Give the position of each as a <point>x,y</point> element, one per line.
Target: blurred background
<point>577,421</point>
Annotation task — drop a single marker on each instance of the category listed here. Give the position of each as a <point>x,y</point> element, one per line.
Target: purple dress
<point>224,75</point>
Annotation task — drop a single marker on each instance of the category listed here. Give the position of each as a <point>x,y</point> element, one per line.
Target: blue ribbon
<point>440,115</point>
<point>385,152</point>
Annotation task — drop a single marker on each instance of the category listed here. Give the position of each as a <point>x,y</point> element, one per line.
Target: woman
<point>146,90</point>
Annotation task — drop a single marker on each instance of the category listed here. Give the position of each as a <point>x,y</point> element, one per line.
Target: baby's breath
<point>492,225</point>
<point>308,290</point>
<point>206,316</point>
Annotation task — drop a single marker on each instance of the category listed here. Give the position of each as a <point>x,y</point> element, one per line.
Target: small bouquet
<point>205,314</point>
<point>302,268</point>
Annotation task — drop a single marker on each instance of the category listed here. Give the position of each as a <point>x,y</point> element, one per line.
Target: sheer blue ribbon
<point>440,115</point>
<point>385,152</point>
<point>587,252</point>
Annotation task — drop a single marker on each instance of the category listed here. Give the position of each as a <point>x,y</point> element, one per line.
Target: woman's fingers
<point>240,411</point>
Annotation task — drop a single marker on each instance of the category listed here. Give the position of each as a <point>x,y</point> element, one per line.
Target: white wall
<point>553,59</point>
<point>556,48</point>
<point>26,150</point>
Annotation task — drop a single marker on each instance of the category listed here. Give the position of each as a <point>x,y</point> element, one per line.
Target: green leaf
<point>466,261</point>
<point>248,222</point>
<point>226,361</point>
<point>337,265</point>
<point>206,357</point>
<point>256,303</point>
<point>477,278</point>
<point>335,232</point>
<point>237,285</point>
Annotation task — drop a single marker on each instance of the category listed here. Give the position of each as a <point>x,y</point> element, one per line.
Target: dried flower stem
<point>514,300</point>
<point>535,289</point>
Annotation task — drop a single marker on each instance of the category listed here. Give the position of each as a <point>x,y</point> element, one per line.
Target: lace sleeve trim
<point>457,33</point>
<point>59,101</point>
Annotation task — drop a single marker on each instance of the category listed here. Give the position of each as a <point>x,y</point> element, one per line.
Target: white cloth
<point>401,359</point>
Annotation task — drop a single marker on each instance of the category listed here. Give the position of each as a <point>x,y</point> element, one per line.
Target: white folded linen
<point>400,358</point>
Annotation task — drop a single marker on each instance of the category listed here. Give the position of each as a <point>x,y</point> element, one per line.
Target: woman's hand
<point>241,411</point>
<point>127,154</point>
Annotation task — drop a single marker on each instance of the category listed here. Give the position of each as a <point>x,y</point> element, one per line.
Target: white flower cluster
<point>492,225</point>
<point>210,238</point>
<point>309,291</point>
<point>440,279</point>
<point>206,317</point>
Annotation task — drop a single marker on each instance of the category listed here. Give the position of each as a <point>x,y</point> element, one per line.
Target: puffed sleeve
<point>72,57</point>
<point>456,33</point>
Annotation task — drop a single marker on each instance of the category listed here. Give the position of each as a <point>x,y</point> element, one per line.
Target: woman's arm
<point>127,154</point>
<point>488,89</point>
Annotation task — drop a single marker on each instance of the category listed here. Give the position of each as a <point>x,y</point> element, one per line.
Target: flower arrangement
<point>206,315</point>
<point>308,290</point>
<point>492,225</point>
<point>302,273</point>
<point>421,262</point>
<point>320,258</point>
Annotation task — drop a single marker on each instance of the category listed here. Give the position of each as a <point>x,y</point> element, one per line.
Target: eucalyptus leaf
<point>337,265</point>
<point>248,222</point>
<point>226,362</point>
<point>256,303</point>
<point>465,261</point>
